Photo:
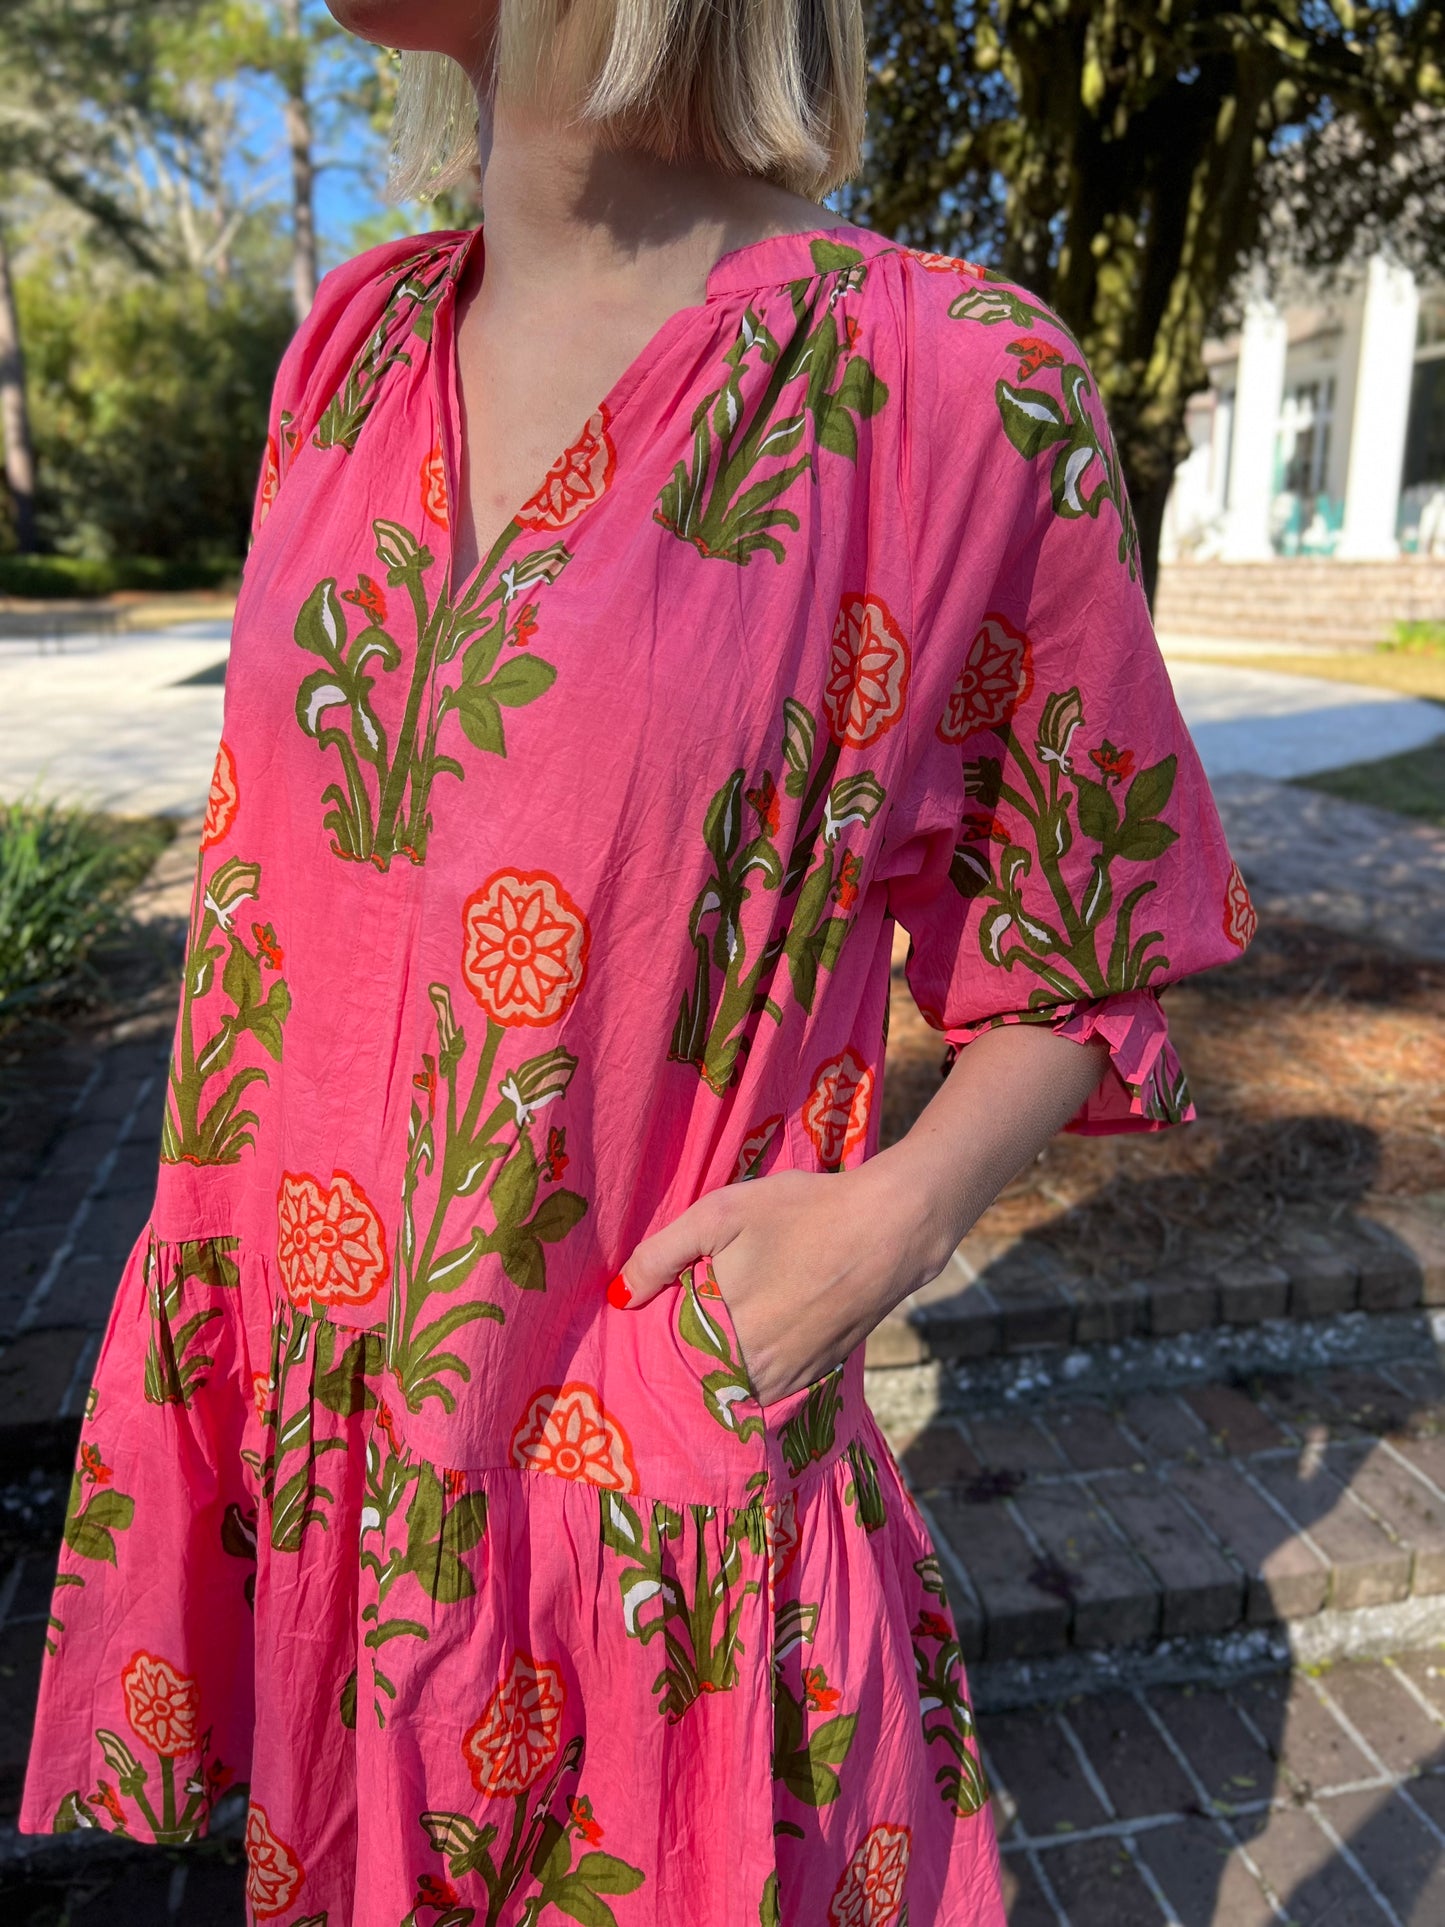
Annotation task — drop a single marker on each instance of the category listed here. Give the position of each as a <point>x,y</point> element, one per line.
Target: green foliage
<point>1411,784</point>
<point>1127,161</point>
<point>1422,638</point>
<point>55,577</point>
<point>63,876</point>
<point>149,402</point>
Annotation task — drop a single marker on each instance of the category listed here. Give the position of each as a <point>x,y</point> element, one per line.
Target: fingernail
<point>618,1293</point>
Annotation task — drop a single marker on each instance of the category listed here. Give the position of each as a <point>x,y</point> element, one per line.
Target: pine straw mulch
<point>1318,1067</point>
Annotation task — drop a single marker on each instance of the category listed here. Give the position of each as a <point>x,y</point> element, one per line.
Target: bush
<point>43,577</point>
<point>64,875</point>
<point>149,400</point>
<point>1418,639</point>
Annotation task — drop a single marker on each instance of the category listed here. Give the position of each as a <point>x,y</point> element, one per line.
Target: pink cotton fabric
<point>530,907</point>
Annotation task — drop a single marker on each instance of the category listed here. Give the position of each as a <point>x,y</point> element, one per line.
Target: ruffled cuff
<point>1143,1087</point>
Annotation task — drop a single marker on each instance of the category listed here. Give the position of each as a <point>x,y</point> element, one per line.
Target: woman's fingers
<point>656,1262</point>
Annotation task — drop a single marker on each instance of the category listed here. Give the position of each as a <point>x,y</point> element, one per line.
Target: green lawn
<point>1412,784</point>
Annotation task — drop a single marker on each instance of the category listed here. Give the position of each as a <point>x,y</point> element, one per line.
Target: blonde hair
<point>773,88</point>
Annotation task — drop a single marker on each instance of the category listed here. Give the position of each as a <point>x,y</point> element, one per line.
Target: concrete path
<point>113,722</point>
<point>1259,722</point>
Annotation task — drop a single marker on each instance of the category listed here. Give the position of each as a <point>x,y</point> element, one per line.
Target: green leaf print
<point>807,1761</point>
<point>314,1364</point>
<point>809,1433</point>
<point>947,1716</point>
<point>1084,474</point>
<point>991,301</point>
<point>1061,935</point>
<point>464,1153</point>
<point>381,807</point>
<point>733,988</point>
<point>410,305</point>
<point>204,1124</point>
<point>176,1365</point>
<point>863,1491</point>
<point>90,1531</point>
<point>693,1602</point>
<point>442,1521</point>
<point>701,1323</point>
<point>538,1855</point>
<point>727,498</point>
<point>94,1513</point>
<point>183,1811</point>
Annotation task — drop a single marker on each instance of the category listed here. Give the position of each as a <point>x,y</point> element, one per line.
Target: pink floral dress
<point>530,906</point>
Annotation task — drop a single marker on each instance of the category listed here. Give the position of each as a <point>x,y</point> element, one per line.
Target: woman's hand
<point>809,1262</point>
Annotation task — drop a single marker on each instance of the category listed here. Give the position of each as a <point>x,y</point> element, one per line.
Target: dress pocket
<point>705,1325</point>
<point>708,1336</point>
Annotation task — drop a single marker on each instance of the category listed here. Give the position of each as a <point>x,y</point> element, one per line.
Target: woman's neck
<point>562,207</point>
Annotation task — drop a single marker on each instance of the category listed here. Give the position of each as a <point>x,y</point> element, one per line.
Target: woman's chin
<point>416,26</point>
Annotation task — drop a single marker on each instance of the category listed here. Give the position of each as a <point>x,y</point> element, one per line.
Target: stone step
<point>1000,1295</point>
<point>1292,1506</point>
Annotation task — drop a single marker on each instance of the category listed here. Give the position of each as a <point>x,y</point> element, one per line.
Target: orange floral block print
<point>870,1893</point>
<point>331,1244</point>
<point>524,952</point>
<point>836,1113</point>
<point>780,1526</point>
<point>1240,919</point>
<point>270,480</point>
<point>996,677</point>
<point>754,1147</point>
<point>575,480</point>
<point>867,672</point>
<point>946,264</point>
<point>434,488</point>
<point>222,800</point>
<point>516,1739</point>
<point>273,1872</point>
<point>162,1705</point>
<point>565,1431</point>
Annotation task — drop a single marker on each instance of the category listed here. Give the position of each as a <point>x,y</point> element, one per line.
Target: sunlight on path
<point>112,723</point>
<point>1267,724</point>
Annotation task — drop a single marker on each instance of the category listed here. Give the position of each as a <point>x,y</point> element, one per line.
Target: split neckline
<point>772,260</point>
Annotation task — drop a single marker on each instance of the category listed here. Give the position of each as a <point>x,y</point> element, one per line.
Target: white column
<point>1258,395</point>
<point>1381,414</point>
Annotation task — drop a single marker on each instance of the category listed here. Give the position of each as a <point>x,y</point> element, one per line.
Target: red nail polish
<point>618,1293</point>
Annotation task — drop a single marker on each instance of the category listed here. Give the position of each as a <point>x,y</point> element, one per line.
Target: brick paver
<point>1216,1807</point>
<point>1187,1514</point>
<point>1012,1295</point>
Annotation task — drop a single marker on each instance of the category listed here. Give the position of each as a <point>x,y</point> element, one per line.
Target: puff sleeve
<point>353,333</point>
<point>1057,855</point>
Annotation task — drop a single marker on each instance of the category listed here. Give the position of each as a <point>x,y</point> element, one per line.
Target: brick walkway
<point>1186,1513</point>
<point>1317,1800</point>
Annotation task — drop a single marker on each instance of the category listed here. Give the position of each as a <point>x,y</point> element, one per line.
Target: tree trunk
<point>1149,501</point>
<point>14,414</point>
<point>304,271</point>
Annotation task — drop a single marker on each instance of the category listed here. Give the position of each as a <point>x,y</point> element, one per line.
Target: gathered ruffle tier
<point>440,1679</point>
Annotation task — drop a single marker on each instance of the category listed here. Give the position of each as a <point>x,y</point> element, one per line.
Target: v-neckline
<point>447,362</point>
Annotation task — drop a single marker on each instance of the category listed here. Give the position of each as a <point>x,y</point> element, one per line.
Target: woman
<point>541,939</point>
